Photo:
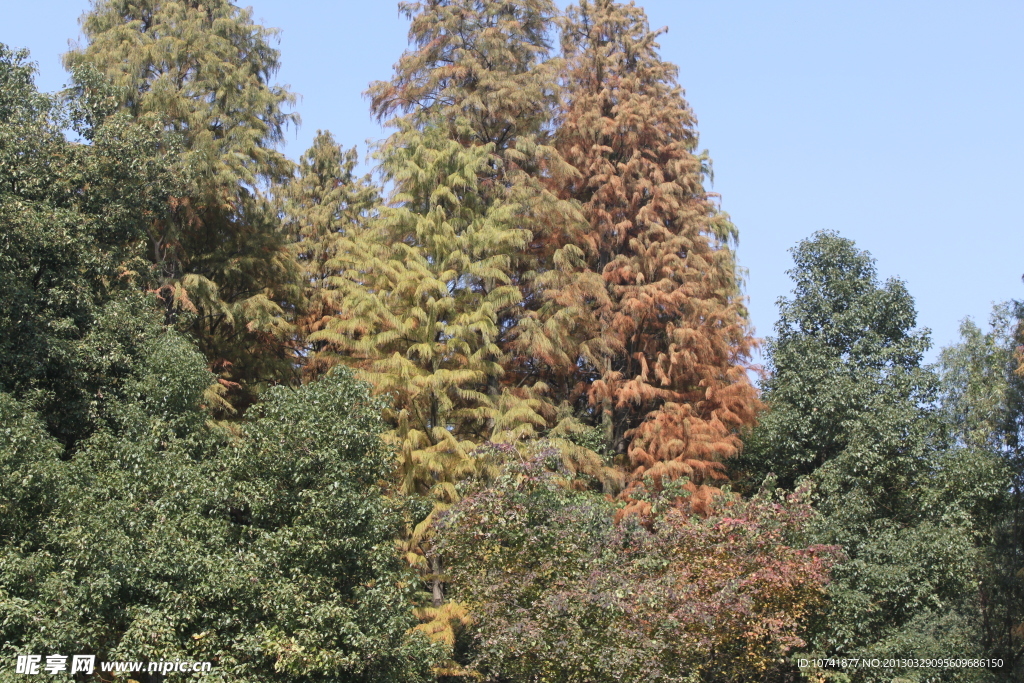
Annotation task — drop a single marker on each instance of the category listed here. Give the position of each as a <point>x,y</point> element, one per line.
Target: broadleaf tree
<point>73,217</point>
<point>268,553</point>
<point>559,592</point>
<point>851,410</point>
<point>982,402</point>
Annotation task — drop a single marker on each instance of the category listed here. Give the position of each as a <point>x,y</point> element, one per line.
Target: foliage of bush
<point>560,593</point>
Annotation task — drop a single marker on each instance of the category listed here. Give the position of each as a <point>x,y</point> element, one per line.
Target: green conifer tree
<point>327,207</point>
<point>201,72</point>
<point>480,70</point>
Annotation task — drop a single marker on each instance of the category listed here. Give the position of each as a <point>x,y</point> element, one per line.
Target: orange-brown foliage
<point>665,335</point>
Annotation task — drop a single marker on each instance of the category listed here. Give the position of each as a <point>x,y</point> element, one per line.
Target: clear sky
<point>897,123</point>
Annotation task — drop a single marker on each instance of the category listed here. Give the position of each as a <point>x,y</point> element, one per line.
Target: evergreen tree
<point>982,401</point>
<point>852,408</point>
<point>73,217</point>
<point>200,73</point>
<point>326,208</point>
<point>269,554</point>
<point>651,318</point>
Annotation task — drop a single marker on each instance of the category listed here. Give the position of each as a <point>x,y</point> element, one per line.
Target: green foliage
<point>982,400</point>
<point>557,592</point>
<point>981,393</point>
<point>851,407</point>
<point>141,532</point>
<point>72,217</point>
<point>844,348</point>
<point>270,555</point>
<point>198,75</point>
<point>28,454</point>
<point>548,264</point>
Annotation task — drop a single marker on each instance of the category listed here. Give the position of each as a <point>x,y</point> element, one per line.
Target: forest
<point>491,412</point>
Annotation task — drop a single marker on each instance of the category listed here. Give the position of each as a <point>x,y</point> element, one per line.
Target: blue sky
<point>898,124</point>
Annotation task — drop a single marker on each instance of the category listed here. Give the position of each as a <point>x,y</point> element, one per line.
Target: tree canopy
<point>485,413</point>
<point>199,74</point>
<point>852,411</point>
<point>655,309</point>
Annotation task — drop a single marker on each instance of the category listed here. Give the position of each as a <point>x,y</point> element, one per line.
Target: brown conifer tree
<point>662,331</point>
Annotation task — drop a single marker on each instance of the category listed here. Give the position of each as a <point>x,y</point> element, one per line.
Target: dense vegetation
<point>484,415</point>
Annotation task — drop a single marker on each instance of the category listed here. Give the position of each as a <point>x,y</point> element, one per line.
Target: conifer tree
<point>435,290</point>
<point>480,67</point>
<point>422,293</point>
<point>326,208</point>
<point>423,290</point>
<point>200,72</point>
<point>480,70</point>
<point>654,314</point>
<point>428,291</point>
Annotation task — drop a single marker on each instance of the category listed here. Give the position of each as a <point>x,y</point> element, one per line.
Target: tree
<point>433,290</point>
<point>326,208</point>
<point>481,74</point>
<point>481,69</point>
<point>73,217</point>
<point>425,286</point>
<point>131,526</point>
<point>852,409</point>
<point>422,293</point>
<point>982,401</point>
<point>269,554</point>
<point>200,73</point>
<point>558,592</point>
<point>651,316</point>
